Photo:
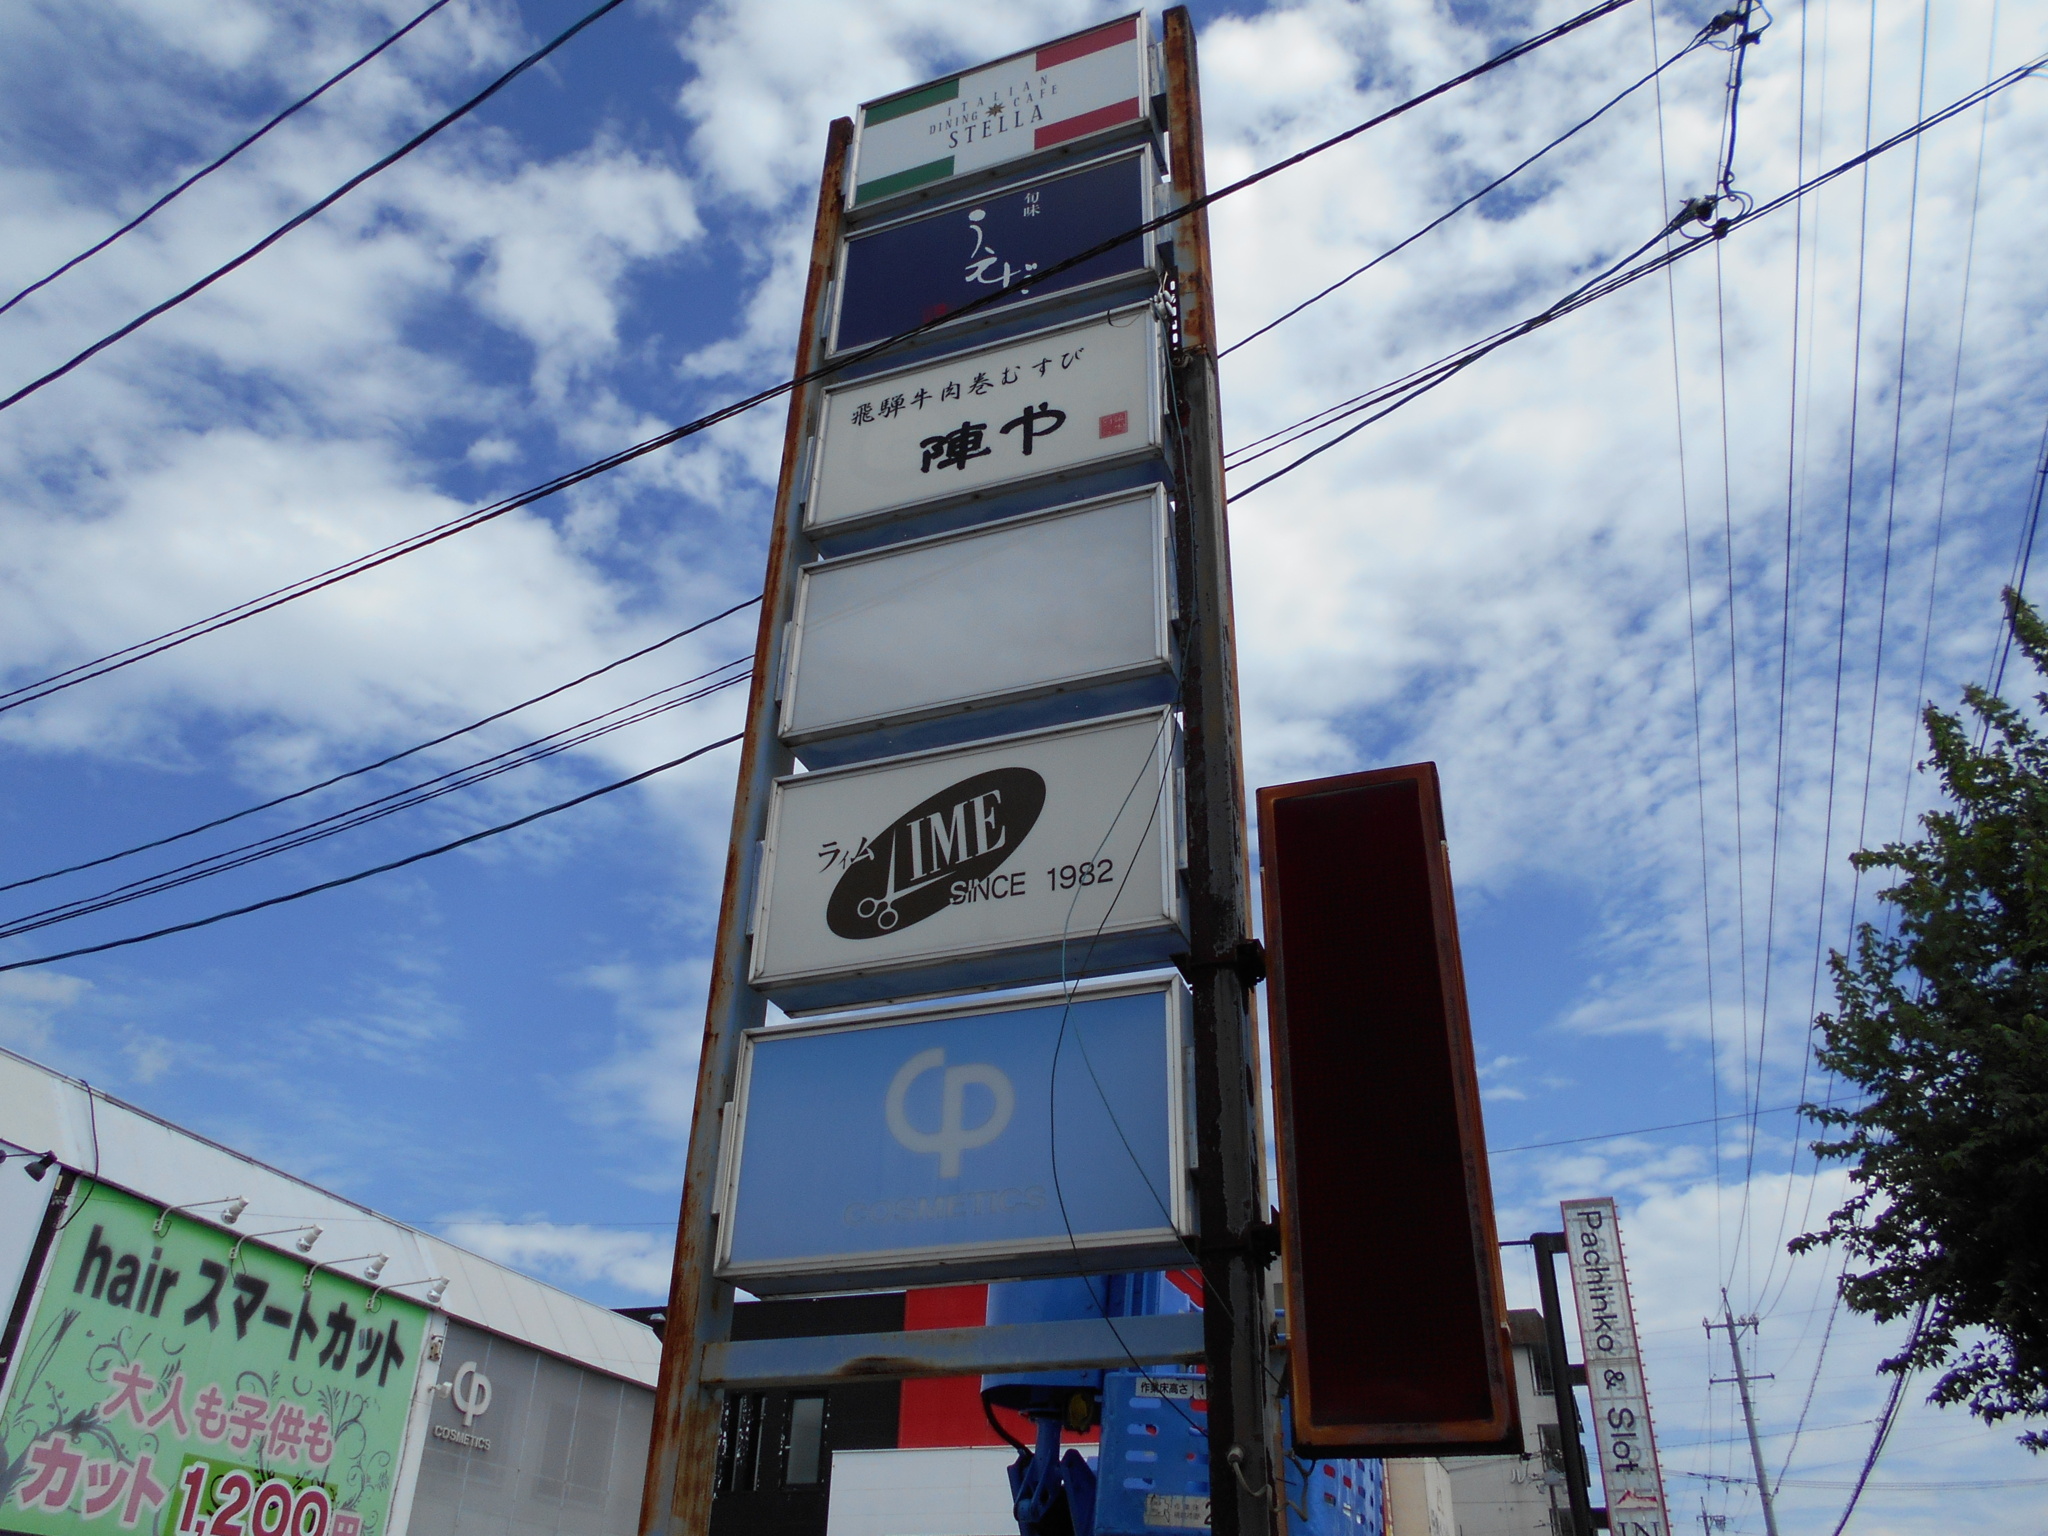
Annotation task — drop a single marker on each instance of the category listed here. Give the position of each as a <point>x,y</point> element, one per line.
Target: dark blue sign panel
<point>922,1149</point>
<point>923,269</point>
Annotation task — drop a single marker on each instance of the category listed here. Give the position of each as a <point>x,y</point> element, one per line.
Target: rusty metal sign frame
<point>1237,1244</point>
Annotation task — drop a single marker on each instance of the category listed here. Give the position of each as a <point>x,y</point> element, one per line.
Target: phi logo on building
<point>906,872</point>
<point>472,1394</point>
<point>954,1135</point>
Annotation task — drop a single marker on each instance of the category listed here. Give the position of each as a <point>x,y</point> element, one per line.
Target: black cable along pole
<point>1571,1448</point>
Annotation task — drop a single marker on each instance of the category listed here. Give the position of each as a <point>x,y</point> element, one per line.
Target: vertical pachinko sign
<point>177,1381</point>
<point>1614,1371</point>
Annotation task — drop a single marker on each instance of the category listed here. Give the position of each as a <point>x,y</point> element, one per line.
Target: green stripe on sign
<point>903,181</point>
<point>912,101</point>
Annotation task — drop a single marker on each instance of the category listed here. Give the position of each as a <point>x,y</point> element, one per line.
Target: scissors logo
<point>954,1135</point>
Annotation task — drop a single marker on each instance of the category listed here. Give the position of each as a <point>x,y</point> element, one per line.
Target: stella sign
<point>1060,94</point>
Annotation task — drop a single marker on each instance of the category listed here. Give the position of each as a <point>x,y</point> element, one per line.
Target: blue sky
<point>500,1043</point>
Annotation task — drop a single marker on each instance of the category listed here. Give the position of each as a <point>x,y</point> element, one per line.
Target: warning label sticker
<point>1177,1509</point>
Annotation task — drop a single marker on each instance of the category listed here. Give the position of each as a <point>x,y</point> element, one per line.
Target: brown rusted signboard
<point>1396,1318</point>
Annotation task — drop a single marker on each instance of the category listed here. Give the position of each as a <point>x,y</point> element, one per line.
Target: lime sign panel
<point>1044,856</point>
<point>173,1382</point>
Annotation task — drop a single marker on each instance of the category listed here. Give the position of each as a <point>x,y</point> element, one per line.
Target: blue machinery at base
<point>1151,1473</point>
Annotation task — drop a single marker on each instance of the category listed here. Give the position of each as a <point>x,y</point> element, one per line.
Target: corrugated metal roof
<point>42,1110</point>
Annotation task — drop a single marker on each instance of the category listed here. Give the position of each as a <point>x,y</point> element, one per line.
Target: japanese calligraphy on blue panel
<point>903,275</point>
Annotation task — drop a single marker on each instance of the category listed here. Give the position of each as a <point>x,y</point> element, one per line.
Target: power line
<point>1641,1130</point>
<point>1413,385</point>
<point>381,869</point>
<point>1752,1087</point>
<point>1955,389</point>
<point>2022,558</point>
<point>1792,423</point>
<point>56,682</point>
<point>382,762</point>
<point>1459,207</point>
<point>1410,385</point>
<point>1886,1420</point>
<point>1692,654</point>
<point>207,170</point>
<point>316,209</point>
<point>1884,584</point>
<point>389,804</point>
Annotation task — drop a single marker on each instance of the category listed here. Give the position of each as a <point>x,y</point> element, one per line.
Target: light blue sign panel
<point>920,1149</point>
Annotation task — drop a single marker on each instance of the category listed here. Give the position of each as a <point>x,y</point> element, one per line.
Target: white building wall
<point>947,1492</point>
<point>1419,1500</point>
<point>1512,1495</point>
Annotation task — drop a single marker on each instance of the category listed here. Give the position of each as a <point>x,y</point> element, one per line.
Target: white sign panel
<point>1057,95</point>
<point>1037,407</point>
<point>1005,627</point>
<point>1614,1371</point>
<point>1032,858</point>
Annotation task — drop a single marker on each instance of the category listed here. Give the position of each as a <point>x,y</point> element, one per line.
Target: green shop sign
<point>171,1384</point>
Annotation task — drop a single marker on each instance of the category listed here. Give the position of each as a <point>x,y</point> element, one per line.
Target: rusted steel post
<point>683,1452</point>
<point>1236,1241</point>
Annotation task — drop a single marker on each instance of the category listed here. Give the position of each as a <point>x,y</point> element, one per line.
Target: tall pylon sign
<point>988,846</point>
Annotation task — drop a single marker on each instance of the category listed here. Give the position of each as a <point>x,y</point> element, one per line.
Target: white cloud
<point>570,1254</point>
<point>647,1082</point>
<point>30,1000</point>
<point>556,241</point>
<point>1494,1075</point>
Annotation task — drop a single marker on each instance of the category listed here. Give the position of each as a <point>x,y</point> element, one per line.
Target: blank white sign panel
<point>1069,600</point>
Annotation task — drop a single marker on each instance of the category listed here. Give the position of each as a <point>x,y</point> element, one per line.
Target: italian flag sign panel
<point>1015,107</point>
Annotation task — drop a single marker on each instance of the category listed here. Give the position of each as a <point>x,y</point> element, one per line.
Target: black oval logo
<point>963,832</point>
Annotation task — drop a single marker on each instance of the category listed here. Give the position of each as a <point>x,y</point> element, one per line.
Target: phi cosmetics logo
<point>906,873</point>
<point>953,1135</point>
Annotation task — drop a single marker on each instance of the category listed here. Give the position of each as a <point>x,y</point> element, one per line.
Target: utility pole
<point>1237,1241</point>
<point>1732,1324</point>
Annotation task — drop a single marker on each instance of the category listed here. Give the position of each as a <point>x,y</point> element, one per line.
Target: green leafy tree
<point>1943,1026</point>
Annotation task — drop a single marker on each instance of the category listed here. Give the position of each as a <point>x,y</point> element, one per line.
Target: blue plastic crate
<point>1335,1498</point>
<point>1154,1459</point>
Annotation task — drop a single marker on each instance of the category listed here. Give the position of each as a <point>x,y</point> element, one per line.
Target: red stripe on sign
<point>1087,43</point>
<point>1087,122</point>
